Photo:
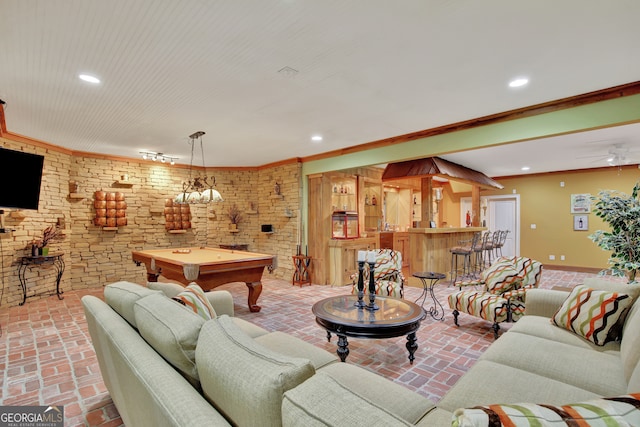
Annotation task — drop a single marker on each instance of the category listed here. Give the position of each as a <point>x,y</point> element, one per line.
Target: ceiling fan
<point>618,155</point>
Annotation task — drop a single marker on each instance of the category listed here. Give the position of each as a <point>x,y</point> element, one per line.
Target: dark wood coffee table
<point>395,317</point>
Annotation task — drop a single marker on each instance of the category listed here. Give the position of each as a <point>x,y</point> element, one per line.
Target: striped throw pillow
<point>501,277</point>
<point>593,314</point>
<point>193,298</point>
<point>607,411</point>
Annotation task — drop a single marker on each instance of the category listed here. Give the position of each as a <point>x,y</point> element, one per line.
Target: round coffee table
<point>395,317</point>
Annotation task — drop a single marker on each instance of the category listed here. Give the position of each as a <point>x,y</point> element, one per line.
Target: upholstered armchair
<point>388,275</point>
<point>499,293</point>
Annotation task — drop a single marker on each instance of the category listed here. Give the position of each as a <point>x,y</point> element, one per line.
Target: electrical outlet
<point>561,257</point>
<point>552,257</point>
<point>533,226</point>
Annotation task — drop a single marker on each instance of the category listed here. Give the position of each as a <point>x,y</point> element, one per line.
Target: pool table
<point>208,267</point>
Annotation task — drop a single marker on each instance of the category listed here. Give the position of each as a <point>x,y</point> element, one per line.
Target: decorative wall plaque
<point>110,209</point>
<point>177,215</point>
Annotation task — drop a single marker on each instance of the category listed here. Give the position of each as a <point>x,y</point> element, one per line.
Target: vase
<point>233,226</point>
<point>43,251</point>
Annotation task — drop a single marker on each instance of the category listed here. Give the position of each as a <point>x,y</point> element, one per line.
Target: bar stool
<point>466,252</point>
<point>487,247</point>
<point>498,246</point>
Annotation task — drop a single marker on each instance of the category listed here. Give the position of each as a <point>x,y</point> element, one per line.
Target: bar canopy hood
<point>440,168</point>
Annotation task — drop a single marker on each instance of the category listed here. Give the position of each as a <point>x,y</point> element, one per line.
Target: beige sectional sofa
<point>166,366</point>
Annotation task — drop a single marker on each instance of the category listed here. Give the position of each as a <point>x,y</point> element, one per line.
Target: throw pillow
<point>607,411</point>
<point>193,298</point>
<point>501,277</point>
<point>593,314</point>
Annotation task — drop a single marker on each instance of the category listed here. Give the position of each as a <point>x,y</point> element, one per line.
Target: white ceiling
<point>366,70</point>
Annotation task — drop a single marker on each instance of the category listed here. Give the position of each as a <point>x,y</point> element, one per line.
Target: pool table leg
<point>255,289</point>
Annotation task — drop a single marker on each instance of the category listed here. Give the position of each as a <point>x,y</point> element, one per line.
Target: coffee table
<point>395,317</point>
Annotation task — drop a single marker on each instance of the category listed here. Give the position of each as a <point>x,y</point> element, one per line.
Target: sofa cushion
<point>539,326</point>
<point>295,347</point>
<point>488,382</point>
<point>122,296</point>
<point>634,380</point>
<point>630,343</point>
<point>323,401</point>
<point>593,314</point>
<point>250,329</point>
<point>172,331</point>
<point>242,379</point>
<point>599,372</point>
<point>194,299</point>
<point>602,284</point>
<point>393,398</point>
<point>619,411</point>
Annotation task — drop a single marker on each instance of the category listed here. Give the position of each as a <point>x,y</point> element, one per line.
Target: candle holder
<point>372,288</point>
<point>360,303</point>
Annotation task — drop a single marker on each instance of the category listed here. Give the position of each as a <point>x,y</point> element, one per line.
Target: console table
<point>28,261</point>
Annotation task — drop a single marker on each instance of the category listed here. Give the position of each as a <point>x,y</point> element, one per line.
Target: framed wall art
<point>580,203</point>
<point>581,222</point>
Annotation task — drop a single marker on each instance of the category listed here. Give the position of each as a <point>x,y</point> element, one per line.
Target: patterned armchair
<point>388,275</point>
<point>499,294</point>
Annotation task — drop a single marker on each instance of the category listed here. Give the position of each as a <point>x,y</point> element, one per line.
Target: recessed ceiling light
<point>316,138</point>
<point>525,168</point>
<point>518,82</point>
<point>89,78</point>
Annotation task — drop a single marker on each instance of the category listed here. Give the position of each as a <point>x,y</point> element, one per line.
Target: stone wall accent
<point>95,257</point>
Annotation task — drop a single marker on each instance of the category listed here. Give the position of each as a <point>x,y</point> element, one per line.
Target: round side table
<point>429,280</point>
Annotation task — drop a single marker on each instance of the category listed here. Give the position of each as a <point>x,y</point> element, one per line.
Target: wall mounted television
<point>20,179</point>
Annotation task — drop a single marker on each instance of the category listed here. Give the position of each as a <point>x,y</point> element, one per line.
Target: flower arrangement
<point>49,234</point>
<point>234,214</point>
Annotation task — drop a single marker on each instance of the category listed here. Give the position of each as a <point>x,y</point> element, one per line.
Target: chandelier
<point>198,189</point>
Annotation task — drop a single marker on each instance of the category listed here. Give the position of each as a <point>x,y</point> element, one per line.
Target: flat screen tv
<point>20,179</point>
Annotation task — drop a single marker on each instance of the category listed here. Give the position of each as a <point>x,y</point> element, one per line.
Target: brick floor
<point>46,355</point>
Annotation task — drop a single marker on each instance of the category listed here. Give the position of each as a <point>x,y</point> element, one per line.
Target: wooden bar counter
<point>429,247</point>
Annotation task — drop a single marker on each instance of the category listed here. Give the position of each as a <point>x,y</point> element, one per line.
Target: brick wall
<point>95,257</point>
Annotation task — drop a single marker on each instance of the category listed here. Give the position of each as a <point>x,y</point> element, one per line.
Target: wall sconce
<point>150,155</point>
<point>437,197</point>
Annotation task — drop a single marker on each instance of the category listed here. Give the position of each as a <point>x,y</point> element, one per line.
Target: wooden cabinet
<point>341,191</point>
<point>343,258</point>
<point>344,192</point>
<point>372,205</point>
<point>398,241</point>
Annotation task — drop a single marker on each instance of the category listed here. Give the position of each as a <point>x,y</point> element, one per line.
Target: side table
<point>54,258</point>
<point>429,280</point>
<point>302,270</point>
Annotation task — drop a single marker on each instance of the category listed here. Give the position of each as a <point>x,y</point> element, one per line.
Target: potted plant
<point>235,216</point>
<point>622,212</point>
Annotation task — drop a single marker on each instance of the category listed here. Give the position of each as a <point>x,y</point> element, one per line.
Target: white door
<point>504,214</point>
